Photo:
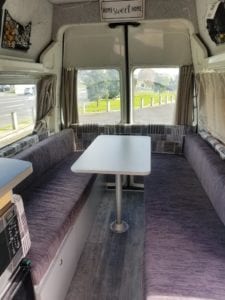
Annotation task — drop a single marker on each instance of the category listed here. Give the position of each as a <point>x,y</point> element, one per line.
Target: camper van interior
<point>112,149</point>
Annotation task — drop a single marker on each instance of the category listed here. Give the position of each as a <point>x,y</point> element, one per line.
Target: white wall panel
<point>93,45</point>
<point>160,43</point>
<point>88,12</point>
<point>152,43</point>
<point>40,13</point>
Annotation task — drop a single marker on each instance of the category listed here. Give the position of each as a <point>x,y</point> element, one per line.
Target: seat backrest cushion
<point>46,154</point>
<point>210,170</point>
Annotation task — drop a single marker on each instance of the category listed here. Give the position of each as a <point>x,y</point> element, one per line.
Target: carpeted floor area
<point>111,264</point>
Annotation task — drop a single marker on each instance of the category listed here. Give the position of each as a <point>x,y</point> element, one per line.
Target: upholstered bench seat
<point>53,197</point>
<point>62,195</point>
<point>184,254</point>
<point>210,170</point>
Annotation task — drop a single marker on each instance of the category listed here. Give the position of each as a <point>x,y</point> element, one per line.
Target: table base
<point>119,227</point>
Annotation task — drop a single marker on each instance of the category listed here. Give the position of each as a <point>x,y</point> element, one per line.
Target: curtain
<point>211,103</point>
<point>45,102</point>
<point>69,97</point>
<point>184,107</point>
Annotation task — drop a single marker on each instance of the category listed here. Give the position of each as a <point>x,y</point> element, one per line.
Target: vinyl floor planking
<point>110,267</point>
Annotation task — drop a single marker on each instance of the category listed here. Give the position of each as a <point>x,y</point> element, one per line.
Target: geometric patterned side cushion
<point>220,148</point>
<point>216,144</point>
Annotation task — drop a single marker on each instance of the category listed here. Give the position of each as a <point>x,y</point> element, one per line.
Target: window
<point>98,94</point>
<point>154,95</point>
<point>17,111</point>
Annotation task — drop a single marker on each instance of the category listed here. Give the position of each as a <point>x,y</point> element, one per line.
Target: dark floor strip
<point>110,267</point>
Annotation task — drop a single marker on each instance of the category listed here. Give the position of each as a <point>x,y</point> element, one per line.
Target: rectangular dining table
<point>118,155</point>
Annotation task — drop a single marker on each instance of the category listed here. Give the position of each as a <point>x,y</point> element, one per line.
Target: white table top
<point>12,172</point>
<point>116,154</point>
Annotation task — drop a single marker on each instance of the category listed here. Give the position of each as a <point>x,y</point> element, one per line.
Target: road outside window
<point>154,95</point>
<point>17,111</point>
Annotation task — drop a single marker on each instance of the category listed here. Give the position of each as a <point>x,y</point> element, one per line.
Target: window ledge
<point>17,65</point>
<point>18,146</point>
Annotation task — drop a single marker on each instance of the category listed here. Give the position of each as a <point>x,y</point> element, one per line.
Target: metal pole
<point>118,199</point>
<point>118,225</point>
<point>14,120</point>
<point>126,66</point>
<point>108,105</point>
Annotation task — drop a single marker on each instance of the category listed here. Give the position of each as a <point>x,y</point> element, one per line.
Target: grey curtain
<point>45,102</point>
<point>184,107</point>
<point>69,97</point>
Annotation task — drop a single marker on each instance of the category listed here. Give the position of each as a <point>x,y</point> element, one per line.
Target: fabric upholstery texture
<point>164,138</point>
<point>51,207</point>
<point>45,155</point>
<point>184,251</point>
<point>53,197</point>
<point>210,170</point>
<point>204,134</point>
<point>220,148</point>
<point>216,144</point>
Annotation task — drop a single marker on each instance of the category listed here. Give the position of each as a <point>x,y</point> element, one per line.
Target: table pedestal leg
<point>118,225</point>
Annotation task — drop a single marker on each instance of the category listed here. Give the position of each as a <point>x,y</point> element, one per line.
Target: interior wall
<point>88,12</point>
<point>153,43</point>
<point>40,13</point>
<point>202,7</point>
<point>90,46</point>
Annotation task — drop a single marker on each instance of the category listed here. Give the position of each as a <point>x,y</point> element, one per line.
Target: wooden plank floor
<point>110,266</point>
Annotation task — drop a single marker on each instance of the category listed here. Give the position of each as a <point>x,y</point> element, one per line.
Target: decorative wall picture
<point>15,36</point>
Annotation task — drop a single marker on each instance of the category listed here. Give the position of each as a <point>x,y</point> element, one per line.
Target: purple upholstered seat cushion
<point>46,154</point>
<point>184,253</point>
<point>210,170</point>
<point>51,207</point>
